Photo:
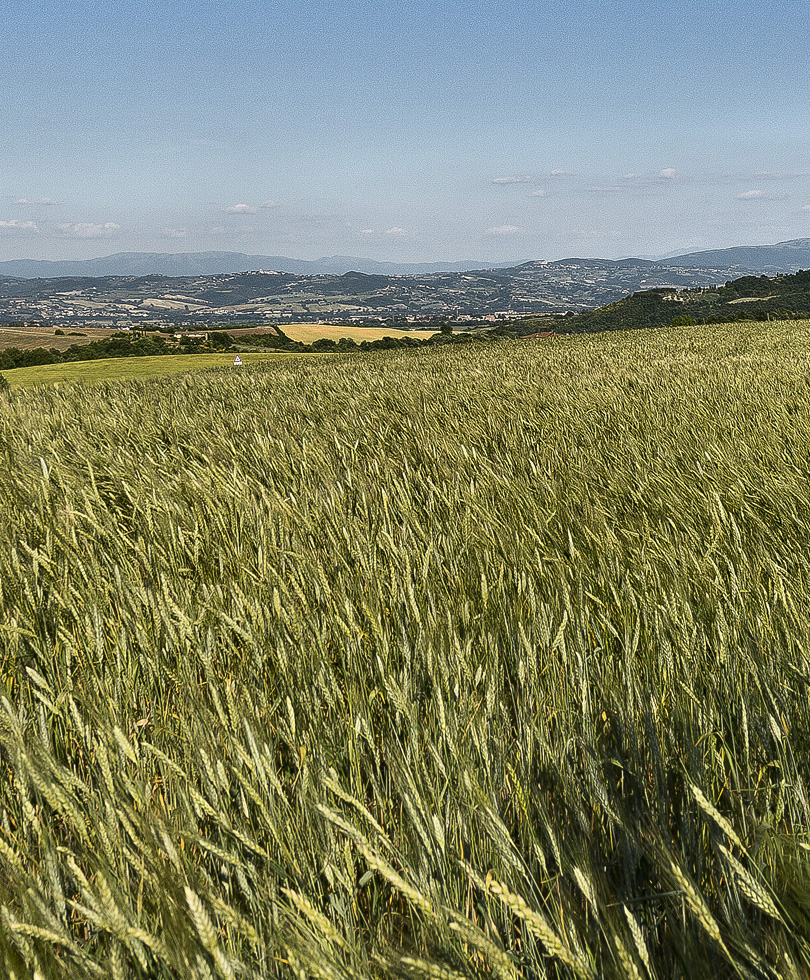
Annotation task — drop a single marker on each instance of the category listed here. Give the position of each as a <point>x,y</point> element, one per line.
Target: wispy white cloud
<point>667,174</point>
<point>633,181</point>
<point>243,208</point>
<point>174,232</point>
<point>396,232</point>
<point>514,179</point>
<point>760,195</point>
<point>40,202</point>
<point>366,231</point>
<point>89,229</point>
<point>16,225</point>
<point>505,230</point>
<point>540,193</point>
<point>562,173</point>
<point>777,175</point>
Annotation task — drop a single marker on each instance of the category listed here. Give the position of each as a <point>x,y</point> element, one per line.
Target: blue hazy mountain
<point>781,257</point>
<point>219,263</point>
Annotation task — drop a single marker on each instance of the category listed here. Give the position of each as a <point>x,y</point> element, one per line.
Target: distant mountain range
<point>222,263</point>
<point>770,259</point>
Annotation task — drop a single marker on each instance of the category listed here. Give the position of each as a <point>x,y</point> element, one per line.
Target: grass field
<point>114,368</point>
<point>481,662</point>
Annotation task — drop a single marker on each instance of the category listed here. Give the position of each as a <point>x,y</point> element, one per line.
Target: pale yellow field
<point>307,332</point>
<point>173,304</point>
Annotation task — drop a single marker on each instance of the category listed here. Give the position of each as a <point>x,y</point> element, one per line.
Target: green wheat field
<point>468,662</point>
<point>109,368</point>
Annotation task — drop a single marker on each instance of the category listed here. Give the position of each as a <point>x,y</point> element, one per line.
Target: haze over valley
<point>69,296</point>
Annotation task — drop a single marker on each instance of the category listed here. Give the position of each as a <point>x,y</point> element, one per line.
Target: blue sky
<point>403,131</point>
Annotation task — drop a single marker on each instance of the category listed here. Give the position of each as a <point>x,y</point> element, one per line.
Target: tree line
<point>125,345</point>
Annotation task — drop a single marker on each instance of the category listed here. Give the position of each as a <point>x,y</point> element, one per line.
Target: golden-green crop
<point>463,662</point>
<point>120,368</point>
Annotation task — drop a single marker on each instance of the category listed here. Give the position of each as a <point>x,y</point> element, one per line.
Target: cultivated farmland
<point>30,337</point>
<point>307,332</point>
<point>464,662</point>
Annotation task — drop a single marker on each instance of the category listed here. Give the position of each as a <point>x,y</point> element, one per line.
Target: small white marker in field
<point>237,361</point>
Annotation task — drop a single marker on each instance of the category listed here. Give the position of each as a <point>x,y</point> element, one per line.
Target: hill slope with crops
<point>487,661</point>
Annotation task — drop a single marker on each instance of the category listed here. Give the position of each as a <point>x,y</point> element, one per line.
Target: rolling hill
<point>745,298</point>
<point>782,257</point>
<point>266,297</point>
<point>220,263</point>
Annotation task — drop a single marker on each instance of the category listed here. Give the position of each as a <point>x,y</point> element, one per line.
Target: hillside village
<point>266,297</point>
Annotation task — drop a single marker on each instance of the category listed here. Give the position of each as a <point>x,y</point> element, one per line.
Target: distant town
<point>265,297</point>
